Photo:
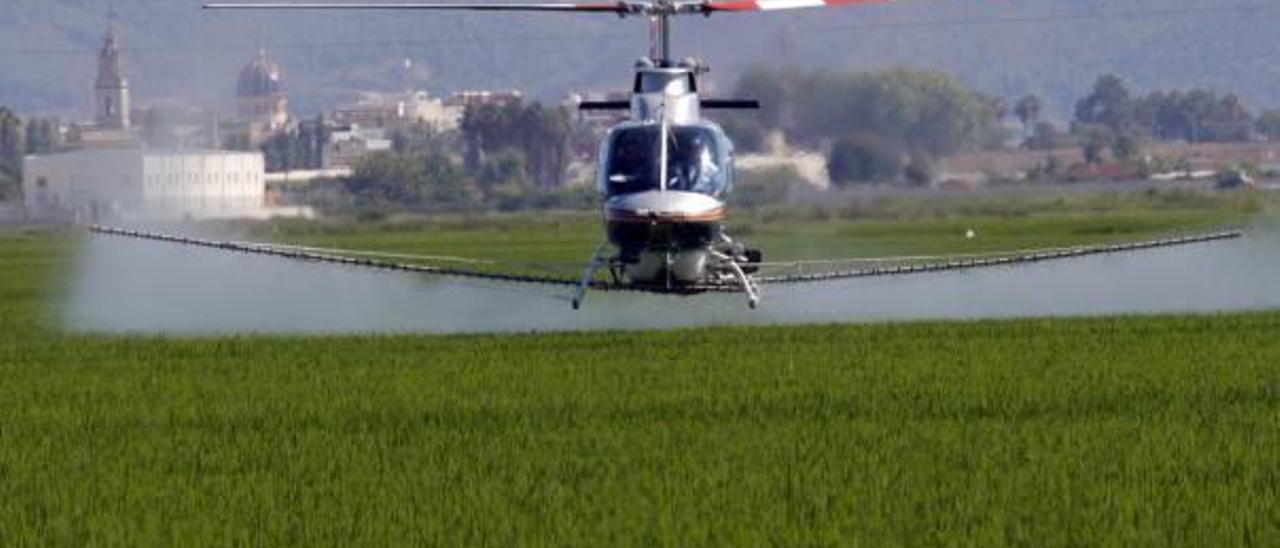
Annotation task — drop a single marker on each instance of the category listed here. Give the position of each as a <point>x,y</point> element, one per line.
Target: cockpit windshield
<point>698,160</point>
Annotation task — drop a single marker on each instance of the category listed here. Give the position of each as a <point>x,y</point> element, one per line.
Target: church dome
<point>260,78</point>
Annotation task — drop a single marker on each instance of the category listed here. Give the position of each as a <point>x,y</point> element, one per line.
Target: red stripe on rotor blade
<point>767,5</point>
<point>851,2</point>
<point>445,6</point>
<point>743,5</point>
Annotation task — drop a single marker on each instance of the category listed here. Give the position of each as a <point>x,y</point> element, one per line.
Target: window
<point>698,159</point>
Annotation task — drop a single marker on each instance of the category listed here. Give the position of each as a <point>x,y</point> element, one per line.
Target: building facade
<point>476,98</point>
<point>97,185</point>
<point>347,145</point>
<point>395,110</point>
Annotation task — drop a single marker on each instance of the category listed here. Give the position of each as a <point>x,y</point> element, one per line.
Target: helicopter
<point>664,174</point>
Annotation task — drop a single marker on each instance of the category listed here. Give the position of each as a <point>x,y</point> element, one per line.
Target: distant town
<point>492,149</point>
<point>183,161</point>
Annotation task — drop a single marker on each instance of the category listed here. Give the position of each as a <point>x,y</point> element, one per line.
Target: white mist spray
<point>125,285</point>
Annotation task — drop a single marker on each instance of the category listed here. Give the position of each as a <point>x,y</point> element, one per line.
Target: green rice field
<point>1129,431</point>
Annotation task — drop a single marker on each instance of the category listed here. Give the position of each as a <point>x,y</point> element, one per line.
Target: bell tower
<point>112,89</point>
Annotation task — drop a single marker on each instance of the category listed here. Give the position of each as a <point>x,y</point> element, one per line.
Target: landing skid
<point>748,286</point>
<point>732,256</point>
<point>731,267</point>
<point>597,261</point>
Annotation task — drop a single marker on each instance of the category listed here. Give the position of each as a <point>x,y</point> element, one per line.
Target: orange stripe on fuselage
<point>654,217</point>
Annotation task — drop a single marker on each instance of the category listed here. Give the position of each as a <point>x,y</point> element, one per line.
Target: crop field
<point>888,227</point>
<point>1131,431</point>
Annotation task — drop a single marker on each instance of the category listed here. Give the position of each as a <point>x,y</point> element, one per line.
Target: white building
<point>475,98</point>
<point>391,110</point>
<point>347,145</point>
<point>91,185</point>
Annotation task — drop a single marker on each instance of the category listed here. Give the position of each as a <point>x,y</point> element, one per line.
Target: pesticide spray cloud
<point>136,286</point>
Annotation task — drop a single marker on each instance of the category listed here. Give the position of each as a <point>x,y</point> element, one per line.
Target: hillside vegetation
<point>1036,46</point>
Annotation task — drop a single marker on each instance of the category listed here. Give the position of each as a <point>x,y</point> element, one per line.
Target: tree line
<point>1113,118</point>
<point>1195,116</point>
<point>886,125</point>
<point>505,155</point>
<point>19,138</point>
<point>297,148</point>
<point>891,126</point>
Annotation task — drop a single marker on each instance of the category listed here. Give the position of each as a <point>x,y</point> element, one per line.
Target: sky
<point>176,52</point>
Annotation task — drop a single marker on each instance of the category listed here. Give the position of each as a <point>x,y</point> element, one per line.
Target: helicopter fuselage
<point>664,174</point>
<point>664,237</point>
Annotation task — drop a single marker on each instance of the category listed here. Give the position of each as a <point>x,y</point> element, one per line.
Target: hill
<point>177,51</point>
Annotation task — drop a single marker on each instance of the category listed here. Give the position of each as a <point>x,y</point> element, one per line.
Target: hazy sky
<point>1051,47</point>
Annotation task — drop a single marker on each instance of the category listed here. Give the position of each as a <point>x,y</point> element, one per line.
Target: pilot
<point>708,170</point>
<point>698,166</point>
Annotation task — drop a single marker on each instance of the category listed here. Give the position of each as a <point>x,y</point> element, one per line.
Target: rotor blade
<point>598,7</point>
<point>713,6</point>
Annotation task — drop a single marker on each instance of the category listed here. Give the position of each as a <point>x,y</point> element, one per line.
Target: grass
<point>1084,432</point>
<point>890,226</point>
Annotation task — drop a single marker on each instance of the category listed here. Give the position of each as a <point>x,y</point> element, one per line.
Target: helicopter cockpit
<point>699,159</point>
